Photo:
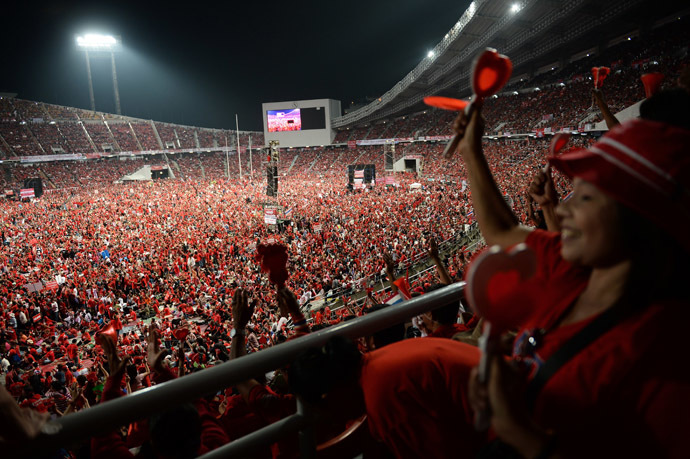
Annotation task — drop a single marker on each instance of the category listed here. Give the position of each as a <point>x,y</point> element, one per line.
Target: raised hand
<point>154,356</point>
<point>471,129</point>
<point>116,365</point>
<point>388,260</point>
<point>542,190</point>
<point>242,310</point>
<point>287,302</point>
<point>433,248</point>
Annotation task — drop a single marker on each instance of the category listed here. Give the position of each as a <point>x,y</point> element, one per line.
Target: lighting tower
<point>100,44</point>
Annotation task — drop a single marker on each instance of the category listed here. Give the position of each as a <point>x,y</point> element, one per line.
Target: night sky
<point>201,63</point>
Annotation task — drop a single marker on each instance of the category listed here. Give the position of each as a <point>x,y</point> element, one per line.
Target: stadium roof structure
<point>531,32</point>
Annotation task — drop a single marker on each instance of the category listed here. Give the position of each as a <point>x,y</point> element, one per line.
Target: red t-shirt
<point>415,392</point>
<point>628,392</point>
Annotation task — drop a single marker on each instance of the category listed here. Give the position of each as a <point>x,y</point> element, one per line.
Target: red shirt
<point>415,392</point>
<point>626,392</point>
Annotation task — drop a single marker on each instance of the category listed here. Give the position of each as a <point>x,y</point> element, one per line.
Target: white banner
<point>270,215</point>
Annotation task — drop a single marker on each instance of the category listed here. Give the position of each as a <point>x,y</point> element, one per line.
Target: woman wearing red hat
<point>598,369</point>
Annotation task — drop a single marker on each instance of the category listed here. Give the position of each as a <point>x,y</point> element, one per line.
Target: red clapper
<point>490,72</point>
<point>499,289</point>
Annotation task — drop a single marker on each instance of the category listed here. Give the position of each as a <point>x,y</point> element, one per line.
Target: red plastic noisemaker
<point>446,103</point>
<point>652,82</point>
<point>599,74</point>
<point>180,333</point>
<point>490,72</point>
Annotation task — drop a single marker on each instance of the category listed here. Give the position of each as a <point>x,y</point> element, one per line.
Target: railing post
<point>307,442</point>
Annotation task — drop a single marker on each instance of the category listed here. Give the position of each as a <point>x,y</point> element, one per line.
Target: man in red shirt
<point>73,351</point>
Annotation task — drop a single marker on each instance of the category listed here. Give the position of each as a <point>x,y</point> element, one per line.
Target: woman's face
<point>591,230</point>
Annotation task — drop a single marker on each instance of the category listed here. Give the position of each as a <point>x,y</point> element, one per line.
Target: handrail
<point>141,404</point>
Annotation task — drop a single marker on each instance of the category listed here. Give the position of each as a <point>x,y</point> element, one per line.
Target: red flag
<point>403,287</point>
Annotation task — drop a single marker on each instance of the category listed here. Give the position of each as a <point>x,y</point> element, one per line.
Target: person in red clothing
<point>188,430</point>
<point>117,324</point>
<point>73,351</point>
<point>617,264</point>
<point>414,392</point>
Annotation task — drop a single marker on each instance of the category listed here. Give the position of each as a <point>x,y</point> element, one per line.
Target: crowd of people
<point>109,288</point>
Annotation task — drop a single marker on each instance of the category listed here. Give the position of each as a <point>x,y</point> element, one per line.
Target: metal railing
<point>110,415</point>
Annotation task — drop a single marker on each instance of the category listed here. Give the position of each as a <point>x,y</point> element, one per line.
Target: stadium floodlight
<point>430,54</point>
<point>97,43</point>
<point>515,8</point>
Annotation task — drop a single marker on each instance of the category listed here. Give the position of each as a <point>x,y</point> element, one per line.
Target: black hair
<point>389,335</point>
<point>668,106</point>
<point>176,433</point>
<point>318,370</point>
<point>132,372</point>
<point>446,315</point>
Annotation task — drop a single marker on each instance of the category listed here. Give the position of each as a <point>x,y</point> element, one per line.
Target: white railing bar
<point>142,404</point>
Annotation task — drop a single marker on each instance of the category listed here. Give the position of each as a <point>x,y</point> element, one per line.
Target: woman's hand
<point>470,129</point>
<point>502,395</point>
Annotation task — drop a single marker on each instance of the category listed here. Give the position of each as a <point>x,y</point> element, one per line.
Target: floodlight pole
<point>237,133</point>
<point>251,164</point>
<point>227,157</point>
<point>117,92</point>
<point>88,72</point>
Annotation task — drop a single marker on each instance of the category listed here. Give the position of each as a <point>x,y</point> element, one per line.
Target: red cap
<point>644,165</point>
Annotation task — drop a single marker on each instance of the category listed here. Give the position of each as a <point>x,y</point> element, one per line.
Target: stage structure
<point>272,169</point>
<point>360,175</point>
<point>389,156</point>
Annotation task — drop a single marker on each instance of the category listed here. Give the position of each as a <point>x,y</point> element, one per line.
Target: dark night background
<point>199,63</point>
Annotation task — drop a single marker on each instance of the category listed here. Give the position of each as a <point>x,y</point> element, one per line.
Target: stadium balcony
<point>124,136</point>
<point>76,137</point>
<point>50,137</point>
<point>166,132</point>
<point>101,136</point>
<point>30,111</point>
<point>58,112</point>
<point>19,138</point>
<point>186,137</point>
<point>145,135</point>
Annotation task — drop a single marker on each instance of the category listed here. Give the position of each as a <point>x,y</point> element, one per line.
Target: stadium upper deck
<point>536,34</point>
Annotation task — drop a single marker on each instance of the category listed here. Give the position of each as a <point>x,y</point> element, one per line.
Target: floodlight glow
<point>515,8</point>
<point>96,41</point>
<point>430,54</point>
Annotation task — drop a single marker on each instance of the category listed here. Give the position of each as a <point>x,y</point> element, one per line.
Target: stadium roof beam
<point>486,16</point>
<point>522,24</point>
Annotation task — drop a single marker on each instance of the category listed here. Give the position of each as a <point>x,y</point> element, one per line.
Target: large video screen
<point>284,120</point>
